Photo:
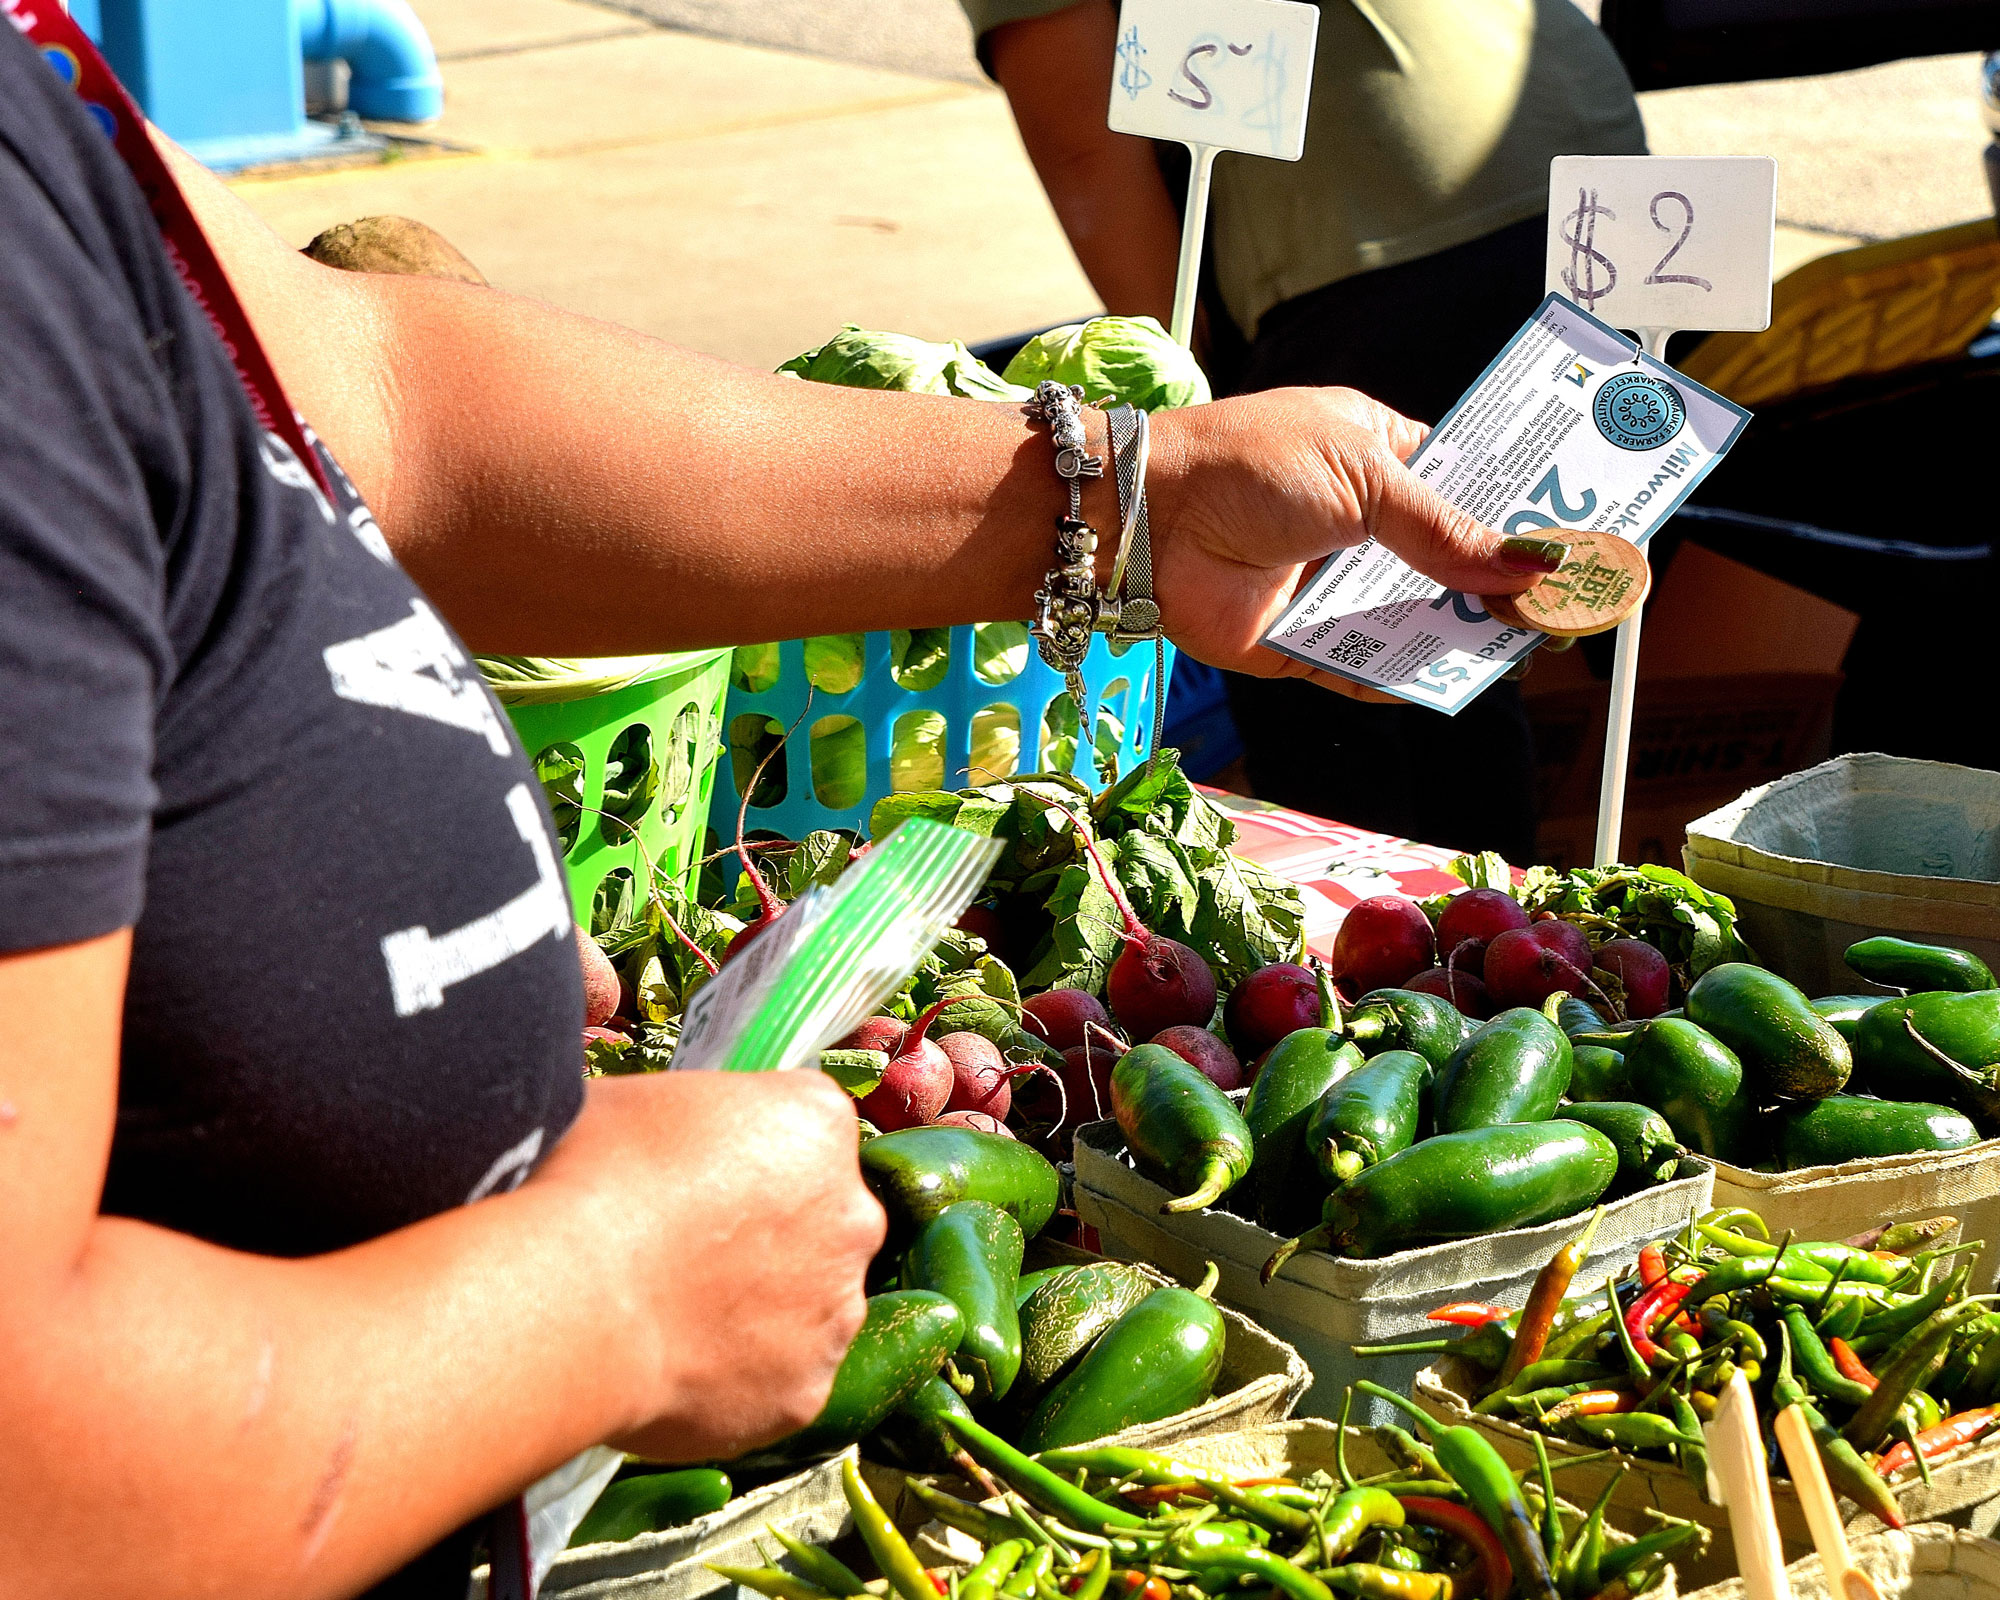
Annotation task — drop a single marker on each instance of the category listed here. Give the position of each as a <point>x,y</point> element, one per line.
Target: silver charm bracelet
<point>1067,604</point>
<point>1131,613</point>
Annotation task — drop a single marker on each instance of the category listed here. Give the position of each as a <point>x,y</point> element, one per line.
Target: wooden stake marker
<point>1602,581</point>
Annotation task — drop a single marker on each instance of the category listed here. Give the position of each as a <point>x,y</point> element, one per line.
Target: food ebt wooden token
<point>1602,581</point>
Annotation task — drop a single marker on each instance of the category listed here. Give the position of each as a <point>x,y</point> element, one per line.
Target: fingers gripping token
<point>1602,581</point>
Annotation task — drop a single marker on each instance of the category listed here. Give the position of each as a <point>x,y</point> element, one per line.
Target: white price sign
<point>1663,242</point>
<point>1227,74</point>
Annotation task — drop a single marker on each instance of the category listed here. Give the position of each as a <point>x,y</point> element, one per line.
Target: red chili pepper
<point>1545,1299</point>
<point>1654,1306</point>
<point>1652,1266</point>
<point>1592,1403</point>
<point>1496,1572</point>
<point>1155,1494</point>
<point>1469,1313</point>
<point>1850,1364</point>
<point>938,1583</point>
<point>1955,1430</point>
<point>1143,1587</point>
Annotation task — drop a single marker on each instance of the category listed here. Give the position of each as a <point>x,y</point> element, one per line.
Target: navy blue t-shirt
<point>230,721</point>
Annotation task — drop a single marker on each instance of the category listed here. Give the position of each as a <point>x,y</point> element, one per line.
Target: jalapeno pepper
<point>1496,1573</point>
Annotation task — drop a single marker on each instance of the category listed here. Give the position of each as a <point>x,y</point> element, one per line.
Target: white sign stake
<point>1213,75</point>
<point>1655,244</point>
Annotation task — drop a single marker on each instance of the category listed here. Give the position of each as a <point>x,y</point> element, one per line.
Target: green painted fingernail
<point>1527,554</point>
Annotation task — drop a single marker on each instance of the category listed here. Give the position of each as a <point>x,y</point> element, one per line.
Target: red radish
<point>917,1083</point>
<point>1269,1004</point>
<point>876,1033</point>
<point>1641,971</point>
<point>1061,1015</point>
<point>980,1075</point>
<point>1156,982</point>
<point>1478,916</point>
<point>1198,1047</point>
<point>978,1120</point>
<point>1524,966</point>
<point>1382,941</point>
<point>984,924</point>
<point>1087,1075</point>
<point>1458,986</point>
<point>600,981</point>
<point>601,1035</point>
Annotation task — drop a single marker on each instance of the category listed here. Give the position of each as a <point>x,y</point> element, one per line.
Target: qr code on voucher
<point>1353,649</point>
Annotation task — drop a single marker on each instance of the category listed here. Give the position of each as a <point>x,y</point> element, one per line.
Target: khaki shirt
<point>1432,124</point>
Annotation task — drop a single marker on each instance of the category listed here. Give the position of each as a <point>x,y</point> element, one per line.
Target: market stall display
<point>1281,1509</point>
<point>1892,1364</point>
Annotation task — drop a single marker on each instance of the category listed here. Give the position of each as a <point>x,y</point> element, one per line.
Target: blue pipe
<point>394,70</point>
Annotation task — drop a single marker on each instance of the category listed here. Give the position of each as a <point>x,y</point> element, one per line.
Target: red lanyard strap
<point>67,49</point>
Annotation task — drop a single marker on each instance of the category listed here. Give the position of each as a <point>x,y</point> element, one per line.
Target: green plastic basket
<point>675,708</point>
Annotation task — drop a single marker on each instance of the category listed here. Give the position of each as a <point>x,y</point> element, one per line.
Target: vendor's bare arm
<point>186,1420</point>
<point>562,486</point>
<point>1106,187</point>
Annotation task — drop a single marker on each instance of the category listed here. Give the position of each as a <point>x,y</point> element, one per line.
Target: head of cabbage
<point>859,359</point>
<point>1123,359</point>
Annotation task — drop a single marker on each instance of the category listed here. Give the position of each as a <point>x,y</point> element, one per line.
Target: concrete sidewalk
<point>630,160</point>
<point>739,200</point>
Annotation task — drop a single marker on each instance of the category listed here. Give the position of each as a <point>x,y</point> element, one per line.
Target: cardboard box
<point>1737,678</point>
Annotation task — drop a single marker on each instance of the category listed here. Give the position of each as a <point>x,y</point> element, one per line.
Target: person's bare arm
<point>1106,187</point>
<point>564,487</point>
<point>189,1421</point>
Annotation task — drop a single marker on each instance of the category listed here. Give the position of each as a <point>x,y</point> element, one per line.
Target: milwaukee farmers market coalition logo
<point>1637,411</point>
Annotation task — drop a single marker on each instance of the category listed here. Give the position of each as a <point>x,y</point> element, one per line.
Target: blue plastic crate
<point>878,704</point>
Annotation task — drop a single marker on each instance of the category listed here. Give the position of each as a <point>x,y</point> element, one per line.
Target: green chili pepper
<point>1542,1375</point>
<point>987,1527</point>
<point>1411,1451</point>
<point>1845,1469</point>
<point>1621,1559</point>
<point>891,1552</point>
<point>1844,1320</point>
<point>992,1569</point>
<point>1901,1318</point>
<point>1815,1365</point>
<point>1748,1339</point>
<point>1733,1219</point>
<point>1372,1582</point>
<point>823,1567</point>
<point>1476,1467</point>
<point>1254,1561</point>
<point>1352,1515</point>
<point>1586,1565</point>
<point>1145,1466</point>
<point>1038,1484</point>
<point>1908,1365</point>
<point>1693,1448</point>
<point>1578,1340</point>
<point>1027,1577</point>
<point>1631,1430</point>
<point>775,1582</point>
<point>1095,1579</point>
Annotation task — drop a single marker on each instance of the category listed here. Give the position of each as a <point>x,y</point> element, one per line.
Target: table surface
<point>1335,865</point>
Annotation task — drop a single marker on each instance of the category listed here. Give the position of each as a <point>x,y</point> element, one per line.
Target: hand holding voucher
<point>1250,494</point>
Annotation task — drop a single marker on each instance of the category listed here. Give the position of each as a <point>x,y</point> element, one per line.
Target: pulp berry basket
<point>652,742</point>
<point>884,713</point>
